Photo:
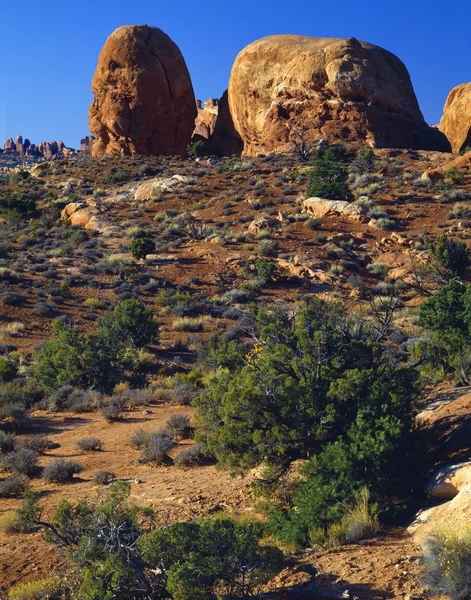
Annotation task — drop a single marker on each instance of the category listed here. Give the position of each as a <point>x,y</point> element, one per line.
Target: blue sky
<point>49,49</point>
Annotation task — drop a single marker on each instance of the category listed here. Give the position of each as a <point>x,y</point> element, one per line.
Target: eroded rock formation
<point>456,120</point>
<point>144,100</point>
<point>336,88</point>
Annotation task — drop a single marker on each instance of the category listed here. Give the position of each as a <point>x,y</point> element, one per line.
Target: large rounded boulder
<point>143,96</point>
<point>456,120</point>
<point>329,88</point>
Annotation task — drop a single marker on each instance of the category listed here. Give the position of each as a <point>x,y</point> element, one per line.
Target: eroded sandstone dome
<point>456,120</point>
<point>143,96</point>
<point>336,88</point>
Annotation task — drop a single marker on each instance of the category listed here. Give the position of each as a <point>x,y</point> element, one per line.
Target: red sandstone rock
<point>144,100</point>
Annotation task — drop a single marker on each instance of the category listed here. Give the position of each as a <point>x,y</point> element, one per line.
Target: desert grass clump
<point>24,462</point>
<point>447,561</point>
<point>178,427</point>
<point>90,444</point>
<point>14,485</point>
<point>140,439</point>
<point>104,477</point>
<point>61,471</point>
<point>191,324</point>
<point>378,268</point>
<point>157,448</point>
<point>192,457</point>
<point>9,523</point>
<point>40,589</point>
<point>39,443</point>
<point>361,518</point>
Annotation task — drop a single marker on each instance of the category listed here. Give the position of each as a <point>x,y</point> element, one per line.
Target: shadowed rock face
<point>456,120</point>
<point>144,101</point>
<point>335,88</point>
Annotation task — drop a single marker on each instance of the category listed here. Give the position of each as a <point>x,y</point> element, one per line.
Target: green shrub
<point>140,247</point>
<point>454,175</point>
<point>303,393</point>
<point>18,201</point>
<point>329,177</point>
<point>196,148</point>
<point>451,255</point>
<point>209,559</point>
<point>8,369</point>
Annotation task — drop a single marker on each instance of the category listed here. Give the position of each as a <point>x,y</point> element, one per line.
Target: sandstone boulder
<point>264,224</point>
<point>451,515</point>
<point>151,190</point>
<point>456,120</point>
<point>447,482</point>
<point>336,88</point>
<point>144,101</point>
<point>320,207</point>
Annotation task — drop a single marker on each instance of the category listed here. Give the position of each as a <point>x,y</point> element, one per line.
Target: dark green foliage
<point>450,254</point>
<point>329,177</point>
<point>117,175</point>
<point>196,148</point>
<point>8,370</point>
<point>120,554</point>
<point>212,558</point>
<point>100,360</point>
<point>454,175</point>
<point>7,441</point>
<point>131,321</point>
<point>316,386</point>
<point>140,247</point>
<point>18,201</point>
<point>447,315</point>
<point>261,270</point>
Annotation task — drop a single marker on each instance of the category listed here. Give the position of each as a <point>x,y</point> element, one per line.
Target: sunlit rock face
<point>143,96</point>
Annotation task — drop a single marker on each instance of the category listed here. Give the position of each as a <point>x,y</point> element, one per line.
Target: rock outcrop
<point>320,207</point>
<point>86,144</point>
<point>48,150</point>
<point>206,117</point>
<point>225,141</point>
<point>456,120</point>
<point>144,101</point>
<point>335,88</point>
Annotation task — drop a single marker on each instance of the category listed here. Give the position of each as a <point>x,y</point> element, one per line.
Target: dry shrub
<point>9,522</point>
<point>447,561</point>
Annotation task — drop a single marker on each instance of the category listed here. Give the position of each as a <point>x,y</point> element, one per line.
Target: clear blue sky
<point>49,48</point>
